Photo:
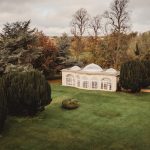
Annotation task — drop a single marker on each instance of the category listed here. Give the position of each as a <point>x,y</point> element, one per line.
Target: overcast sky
<point>54,16</point>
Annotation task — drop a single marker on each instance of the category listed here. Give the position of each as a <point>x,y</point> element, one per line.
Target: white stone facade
<point>91,77</point>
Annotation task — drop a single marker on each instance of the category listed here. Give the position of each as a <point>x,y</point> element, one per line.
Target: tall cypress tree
<point>146,83</point>
<point>132,75</point>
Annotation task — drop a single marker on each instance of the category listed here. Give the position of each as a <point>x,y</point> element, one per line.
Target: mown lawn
<point>104,121</point>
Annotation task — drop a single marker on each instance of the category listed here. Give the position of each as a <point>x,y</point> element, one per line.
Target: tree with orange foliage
<point>47,62</point>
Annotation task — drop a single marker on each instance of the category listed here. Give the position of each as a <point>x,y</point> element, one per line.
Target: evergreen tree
<point>146,82</point>
<point>17,45</point>
<point>63,45</point>
<point>132,75</point>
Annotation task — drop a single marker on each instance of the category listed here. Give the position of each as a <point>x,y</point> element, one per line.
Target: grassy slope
<point>104,121</point>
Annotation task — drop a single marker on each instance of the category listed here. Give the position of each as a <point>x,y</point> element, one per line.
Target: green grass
<point>104,121</point>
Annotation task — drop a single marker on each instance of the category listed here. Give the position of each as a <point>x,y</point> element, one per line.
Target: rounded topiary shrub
<point>70,104</point>
<point>3,105</point>
<point>27,92</point>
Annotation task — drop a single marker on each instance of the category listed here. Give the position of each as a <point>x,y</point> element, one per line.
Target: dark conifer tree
<point>132,75</point>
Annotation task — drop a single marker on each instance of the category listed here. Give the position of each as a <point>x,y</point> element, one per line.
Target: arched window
<point>78,81</point>
<point>85,82</point>
<point>106,84</point>
<point>70,80</point>
<point>94,83</point>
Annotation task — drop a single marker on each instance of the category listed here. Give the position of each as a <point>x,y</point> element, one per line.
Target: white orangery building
<point>91,77</point>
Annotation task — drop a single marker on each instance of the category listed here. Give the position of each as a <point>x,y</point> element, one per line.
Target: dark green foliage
<point>132,75</point>
<point>18,47</point>
<point>137,50</point>
<point>70,104</point>
<point>147,66</point>
<point>118,86</point>
<point>3,105</point>
<point>17,36</point>
<point>27,93</point>
<point>63,45</point>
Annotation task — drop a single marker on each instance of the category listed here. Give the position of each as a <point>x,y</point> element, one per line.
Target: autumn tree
<point>79,25</point>
<point>54,54</point>
<point>118,22</point>
<point>94,39</point>
<point>47,63</point>
<point>109,53</point>
<point>139,46</point>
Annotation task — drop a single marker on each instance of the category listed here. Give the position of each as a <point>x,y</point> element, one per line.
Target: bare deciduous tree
<point>95,25</point>
<point>79,25</point>
<point>79,22</point>
<point>118,16</point>
<point>118,21</point>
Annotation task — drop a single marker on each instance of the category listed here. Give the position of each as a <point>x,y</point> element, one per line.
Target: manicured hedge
<point>27,93</point>
<point>133,76</point>
<point>147,66</point>
<point>3,105</point>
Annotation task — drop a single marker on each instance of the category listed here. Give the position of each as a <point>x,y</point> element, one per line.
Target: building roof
<point>111,70</point>
<point>75,68</point>
<point>92,69</point>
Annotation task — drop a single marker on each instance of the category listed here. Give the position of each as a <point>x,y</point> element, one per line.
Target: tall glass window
<point>85,84</point>
<point>94,84</point>
<point>106,84</point>
<point>70,80</point>
<point>78,81</point>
